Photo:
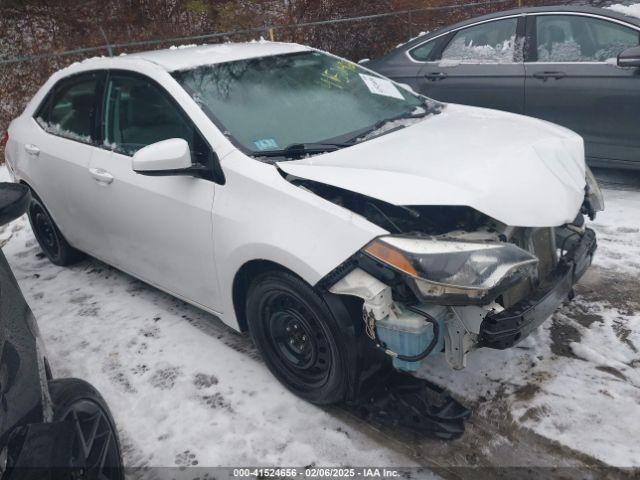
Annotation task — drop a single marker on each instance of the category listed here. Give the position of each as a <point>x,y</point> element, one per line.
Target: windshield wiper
<point>383,122</point>
<point>297,150</point>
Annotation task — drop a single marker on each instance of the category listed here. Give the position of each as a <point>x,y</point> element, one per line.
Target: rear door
<point>480,65</point>
<point>58,151</point>
<point>159,228</point>
<point>572,79</point>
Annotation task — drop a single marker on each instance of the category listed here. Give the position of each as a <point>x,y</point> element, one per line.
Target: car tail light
<point>4,139</point>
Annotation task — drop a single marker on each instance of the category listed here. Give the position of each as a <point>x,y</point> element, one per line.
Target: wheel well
<point>241,284</point>
<point>33,192</point>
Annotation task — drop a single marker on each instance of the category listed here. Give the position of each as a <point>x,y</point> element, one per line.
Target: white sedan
<point>343,220</point>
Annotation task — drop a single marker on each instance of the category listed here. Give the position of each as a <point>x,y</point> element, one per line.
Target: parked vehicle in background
<point>49,428</point>
<point>324,208</point>
<point>575,66</point>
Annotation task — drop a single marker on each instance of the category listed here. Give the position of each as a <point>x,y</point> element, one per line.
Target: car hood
<point>515,169</point>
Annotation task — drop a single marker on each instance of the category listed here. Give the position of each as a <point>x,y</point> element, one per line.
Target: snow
<point>57,129</point>
<point>177,380</point>
<point>570,51</point>
<point>183,387</point>
<point>632,10</point>
<point>464,51</point>
<point>421,34</point>
<point>195,56</point>
<point>577,379</point>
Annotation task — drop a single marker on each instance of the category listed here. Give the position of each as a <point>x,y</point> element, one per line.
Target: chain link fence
<point>354,37</point>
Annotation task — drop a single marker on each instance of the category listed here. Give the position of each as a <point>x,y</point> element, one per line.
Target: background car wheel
<point>95,451</point>
<point>53,244</point>
<point>298,337</point>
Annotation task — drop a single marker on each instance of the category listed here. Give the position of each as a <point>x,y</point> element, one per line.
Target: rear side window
<point>491,42</point>
<point>70,110</point>
<point>139,113</point>
<point>573,38</point>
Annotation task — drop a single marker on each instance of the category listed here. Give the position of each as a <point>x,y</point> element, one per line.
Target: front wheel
<point>95,448</point>
<point>48,235</point>
<point>298,337</point>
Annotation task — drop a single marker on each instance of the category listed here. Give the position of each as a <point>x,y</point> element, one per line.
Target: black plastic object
<point>14,200</point>
<point>410,403</point>
<point>504,329</point>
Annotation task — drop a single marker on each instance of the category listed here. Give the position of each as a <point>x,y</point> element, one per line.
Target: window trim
<point>68,82</point>
<point>519,36</point>
<point>431,52</point>
<point>216,172</point>
<point>531,53</point>
<point>453,31</point>
<point>527,15</point>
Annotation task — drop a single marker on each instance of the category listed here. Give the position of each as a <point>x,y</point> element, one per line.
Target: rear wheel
<point>298,337</point>
<point>95,451</point>
<point>53,244</point>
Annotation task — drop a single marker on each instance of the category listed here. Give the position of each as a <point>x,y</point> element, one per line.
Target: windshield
<point>270,103</point>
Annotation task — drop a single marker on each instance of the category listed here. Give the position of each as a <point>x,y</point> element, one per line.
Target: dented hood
<point>515,169</point>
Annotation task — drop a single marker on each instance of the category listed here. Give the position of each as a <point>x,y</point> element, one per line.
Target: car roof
<point>193,56</point>
<point>519,11</point>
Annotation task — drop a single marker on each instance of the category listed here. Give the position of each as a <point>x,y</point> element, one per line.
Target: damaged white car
<point>340,218</point>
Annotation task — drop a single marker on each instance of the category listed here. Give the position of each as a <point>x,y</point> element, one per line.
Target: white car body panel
<point>515,169</point>
<point>181,58</point>
<point>157,228</point>
<point>191,236</point>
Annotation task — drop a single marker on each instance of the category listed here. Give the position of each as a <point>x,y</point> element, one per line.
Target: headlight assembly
<point>454,272</point>
<point>594,194</point>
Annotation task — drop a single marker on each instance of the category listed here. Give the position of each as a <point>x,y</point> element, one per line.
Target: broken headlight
<point>593,195</point>
<point>454,272</point>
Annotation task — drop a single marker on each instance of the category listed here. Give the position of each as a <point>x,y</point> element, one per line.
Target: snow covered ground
<point>186,390</point>
<point>577,379</point>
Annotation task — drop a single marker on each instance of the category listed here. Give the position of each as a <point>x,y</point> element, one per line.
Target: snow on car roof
<point>190,56</point>
<point>186,57</point>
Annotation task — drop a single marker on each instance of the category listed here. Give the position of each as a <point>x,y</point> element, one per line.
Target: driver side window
<point>572,38</point>
<point>139,113</point>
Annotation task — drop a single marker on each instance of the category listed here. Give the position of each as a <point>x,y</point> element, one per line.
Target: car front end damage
<point>480,284</point>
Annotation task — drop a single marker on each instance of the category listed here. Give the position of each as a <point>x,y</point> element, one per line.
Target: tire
<point>298,337</point>
<point>77,401</point>
<point>49,237</point>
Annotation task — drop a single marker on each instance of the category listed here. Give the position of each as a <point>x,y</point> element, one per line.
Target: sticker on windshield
<point>381,86</point>
<point>266,144</point>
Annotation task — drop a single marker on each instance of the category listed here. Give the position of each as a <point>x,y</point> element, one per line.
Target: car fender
<point>258,215</point>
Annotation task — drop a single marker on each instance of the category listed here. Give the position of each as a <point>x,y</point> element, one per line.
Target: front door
<point>572,79</point>
<point>159,228</point>
<point>480,65</point>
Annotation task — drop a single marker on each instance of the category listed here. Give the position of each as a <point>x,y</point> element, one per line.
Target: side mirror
<point>14,201</point>
<point>630,57</point>
<point>165,158</point>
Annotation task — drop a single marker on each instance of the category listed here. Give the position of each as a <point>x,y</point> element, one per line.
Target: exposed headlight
<point>454,272</point>
<point>594,194</point>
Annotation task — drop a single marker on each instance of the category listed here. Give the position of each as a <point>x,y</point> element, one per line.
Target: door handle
<point>100,175</point>
<point>32,149</point>
<point>544,76</point>
<point>435,76</point>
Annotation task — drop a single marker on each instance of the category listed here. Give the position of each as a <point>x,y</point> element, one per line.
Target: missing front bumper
<point>504,329</point>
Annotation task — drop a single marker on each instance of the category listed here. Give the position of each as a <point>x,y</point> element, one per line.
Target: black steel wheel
<point>53,244</point>
<point>95,448</point>
<point>298,337</point>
